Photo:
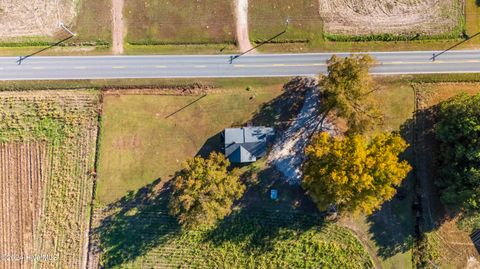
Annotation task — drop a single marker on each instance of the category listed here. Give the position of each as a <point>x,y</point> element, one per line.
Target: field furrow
<point>47,140</point>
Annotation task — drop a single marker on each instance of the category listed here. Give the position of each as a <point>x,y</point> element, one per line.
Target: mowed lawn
<point>179,22</point>
<point>140,142</point>
<point>268,18</point>
<point>395,100</point>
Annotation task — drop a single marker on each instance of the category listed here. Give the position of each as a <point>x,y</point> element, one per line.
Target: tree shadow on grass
<point>280,111</point>
<point>261,221</point>
<point>393,225</point>
<point>257,230</point>
<point>416,208</point>
<point>135,224</point>
<point>214,143</point>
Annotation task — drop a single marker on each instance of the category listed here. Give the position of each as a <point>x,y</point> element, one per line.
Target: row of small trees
<point>353,173</point>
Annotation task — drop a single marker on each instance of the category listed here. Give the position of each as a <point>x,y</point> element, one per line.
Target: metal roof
<point>246,144</point>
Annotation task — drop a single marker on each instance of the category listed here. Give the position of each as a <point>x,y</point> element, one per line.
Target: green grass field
<point>93,22</point>
<point>268,18</point>
<point>140,144</point>
<point>396,101</point>
<point>179,22</point>
<point>472,18</point>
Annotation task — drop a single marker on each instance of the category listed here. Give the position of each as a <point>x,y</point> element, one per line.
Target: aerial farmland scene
<point>239,134</point>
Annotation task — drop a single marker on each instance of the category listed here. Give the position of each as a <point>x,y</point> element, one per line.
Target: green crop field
<point>147,236</point>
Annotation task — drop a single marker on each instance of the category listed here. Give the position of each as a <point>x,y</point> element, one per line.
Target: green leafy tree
<point>353,174</point>
<point>346,91</point>
<point>204,191</point>
<point>458,130</point>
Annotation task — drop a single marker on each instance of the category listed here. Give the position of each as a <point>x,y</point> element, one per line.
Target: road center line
<point>38,67</point>
<point>429,62</point>
<point>380,63</point>
<point>278,65</point>
<point>118,67</point>
<point>200,66</point>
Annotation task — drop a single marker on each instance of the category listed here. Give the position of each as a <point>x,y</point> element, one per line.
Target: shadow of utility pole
<point>458,44</point>
<point>232,58</point>
<point>22,58</point>
<point>191,103</point>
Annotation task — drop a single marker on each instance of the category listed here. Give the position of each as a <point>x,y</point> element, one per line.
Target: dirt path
<point>241,12</point>
<point>117,26</point>
<point>363,237</point>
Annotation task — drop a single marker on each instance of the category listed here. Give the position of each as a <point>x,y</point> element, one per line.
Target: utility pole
<point>232,58</point>
<point>66,29</point>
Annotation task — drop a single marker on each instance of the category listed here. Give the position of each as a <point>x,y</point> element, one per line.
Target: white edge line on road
<point>248,55</point>
<point>237,76</point>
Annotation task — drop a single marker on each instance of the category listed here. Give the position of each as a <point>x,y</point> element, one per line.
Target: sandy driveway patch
<point>241,12</point>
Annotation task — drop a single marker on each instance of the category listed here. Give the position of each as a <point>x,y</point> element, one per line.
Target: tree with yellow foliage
<point>353,174</point>
<point>204,191</point>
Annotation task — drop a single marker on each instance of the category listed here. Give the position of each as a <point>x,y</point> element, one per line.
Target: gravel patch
<point>287,153</point>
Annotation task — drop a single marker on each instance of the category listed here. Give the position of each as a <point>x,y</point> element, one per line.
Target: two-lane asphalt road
<point>260,65</point>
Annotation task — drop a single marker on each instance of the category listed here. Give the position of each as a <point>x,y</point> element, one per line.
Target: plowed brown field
<point>32,18</point>
<point>47,153</point>
<point>360,17</point>
<point>22,174</point>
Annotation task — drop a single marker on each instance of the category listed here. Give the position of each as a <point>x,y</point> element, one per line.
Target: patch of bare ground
<point>34,18</point>
<point>364,17</point>
<point>117,26</point>
<point>241,12</point>
<point>22,178</point>
<point>287,153</point>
